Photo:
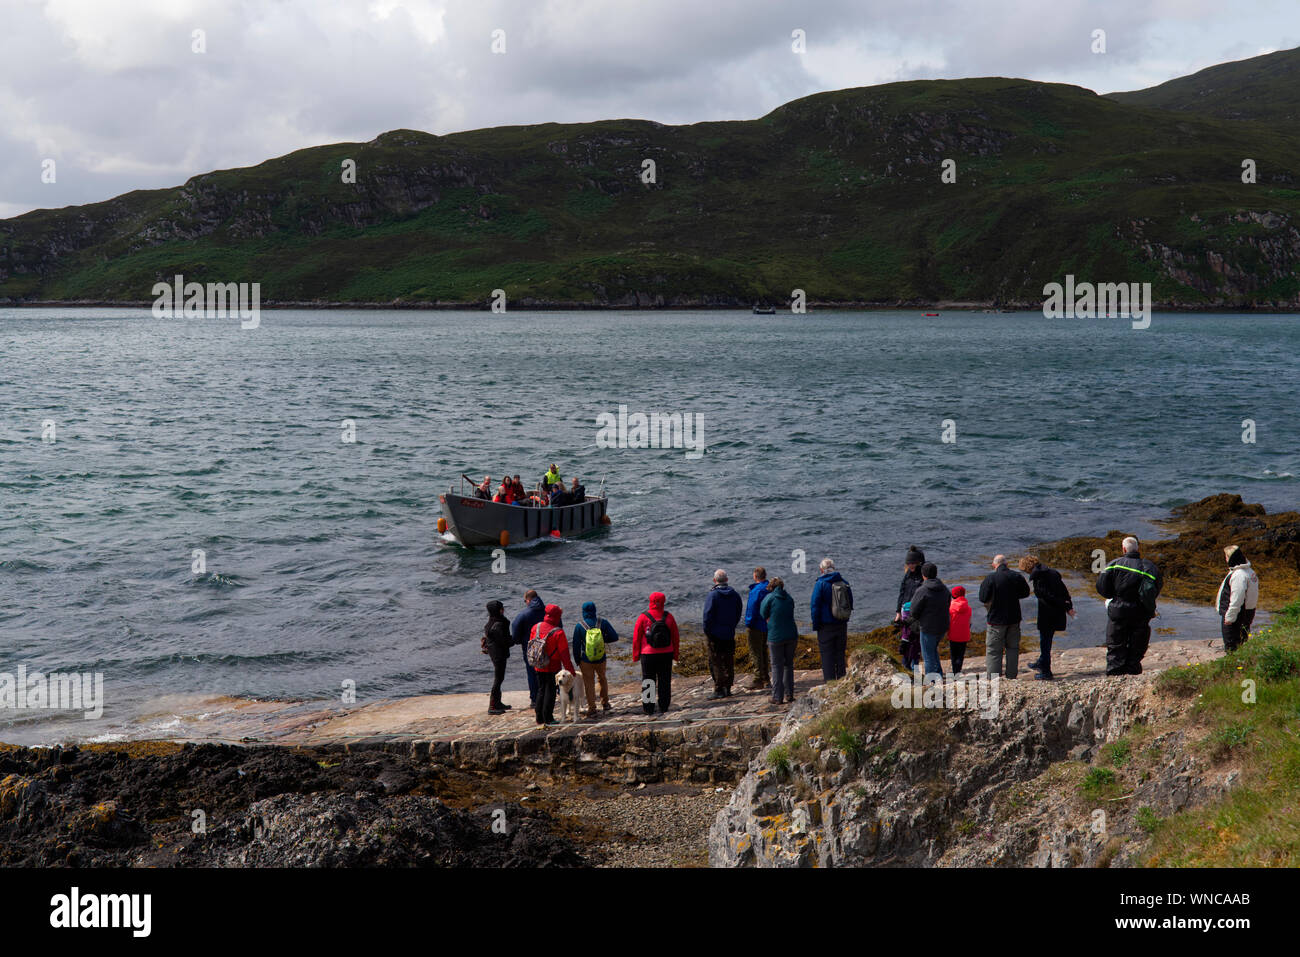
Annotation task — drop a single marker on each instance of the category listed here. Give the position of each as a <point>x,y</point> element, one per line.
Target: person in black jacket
<point>496,645</point>
<point>1132,584</point>
<point>930,612</point>
<point>1000,593</point>
<point>909,643</point>
<point>1054,604</point>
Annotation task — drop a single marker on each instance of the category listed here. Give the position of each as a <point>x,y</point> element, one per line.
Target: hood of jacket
<point>553,614</point>
<point>589,614</point>
<point>657,601</point>
<point>829,577</point>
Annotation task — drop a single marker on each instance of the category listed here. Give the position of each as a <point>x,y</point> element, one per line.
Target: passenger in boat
<point>577,492</point>
<point>552,477</point>
<point>559,497</point>
<point>484,490</point>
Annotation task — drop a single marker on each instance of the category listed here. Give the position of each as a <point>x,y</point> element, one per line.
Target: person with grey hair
<point>831,605</point>
<point>722,613</point>
<point>1132,583</point>
<point>1000,593</point>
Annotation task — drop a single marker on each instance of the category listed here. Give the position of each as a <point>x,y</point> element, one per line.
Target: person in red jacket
<point>958,627</point>
<point>550,630</point>
<point>654,644</point>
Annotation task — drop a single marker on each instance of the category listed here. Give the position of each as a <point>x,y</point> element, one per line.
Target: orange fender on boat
<point>604,520</point>
<point>504,538</point>
<point>442,526</point>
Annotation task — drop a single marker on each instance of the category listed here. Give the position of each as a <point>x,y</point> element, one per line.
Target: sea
<point>193,508</point>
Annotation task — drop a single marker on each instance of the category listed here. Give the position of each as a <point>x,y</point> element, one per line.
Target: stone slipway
<point>699,740</point>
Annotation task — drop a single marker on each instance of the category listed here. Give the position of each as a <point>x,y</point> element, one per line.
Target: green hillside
<point>838,194</point>
<point>1263,89</point>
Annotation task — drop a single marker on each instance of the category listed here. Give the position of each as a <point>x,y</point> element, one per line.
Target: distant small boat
<point>932,315</point>
<point>480,521</point>
<point>764,310</point>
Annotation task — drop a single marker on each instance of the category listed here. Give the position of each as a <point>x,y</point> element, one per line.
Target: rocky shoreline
<point>840,779</point>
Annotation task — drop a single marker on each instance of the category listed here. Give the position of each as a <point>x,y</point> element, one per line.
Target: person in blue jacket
<point>722,612</point>
<point>832,632</point>
<point>757,626</point>
<point>592,668</point>
<point>534,611</point>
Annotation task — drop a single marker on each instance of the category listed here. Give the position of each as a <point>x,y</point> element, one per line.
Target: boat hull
<point>476,521</point>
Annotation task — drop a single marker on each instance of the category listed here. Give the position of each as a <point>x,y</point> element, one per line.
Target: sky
<point>118,96</point>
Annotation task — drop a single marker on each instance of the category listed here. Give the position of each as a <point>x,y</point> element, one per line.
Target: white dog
<point>570,695</point>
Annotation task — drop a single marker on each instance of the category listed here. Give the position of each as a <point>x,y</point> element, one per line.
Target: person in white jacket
<point>1237,598</point>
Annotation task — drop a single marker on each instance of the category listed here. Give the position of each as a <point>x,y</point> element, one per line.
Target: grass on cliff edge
<point>1257,824</point>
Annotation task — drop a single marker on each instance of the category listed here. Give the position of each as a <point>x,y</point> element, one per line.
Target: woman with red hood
<point>548,652</point>
<point>958,627</point>
<point>654,644</point>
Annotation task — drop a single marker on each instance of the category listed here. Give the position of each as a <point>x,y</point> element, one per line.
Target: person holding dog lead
<point>547,653</point>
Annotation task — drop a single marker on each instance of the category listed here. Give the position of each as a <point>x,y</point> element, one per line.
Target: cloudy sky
<point>114,92</point>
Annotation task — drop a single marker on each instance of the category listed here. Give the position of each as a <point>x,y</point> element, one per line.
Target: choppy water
<point>823,433</point>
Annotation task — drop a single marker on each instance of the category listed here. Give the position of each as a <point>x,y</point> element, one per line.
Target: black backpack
<point>660,635</point>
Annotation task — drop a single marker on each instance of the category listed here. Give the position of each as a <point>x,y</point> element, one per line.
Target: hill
<point>1264,89</point>
<point>838,194</point>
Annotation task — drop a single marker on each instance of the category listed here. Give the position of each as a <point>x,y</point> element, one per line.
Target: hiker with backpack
<point>782,638</point>
<point>547,653</point>
<point>757,630</point>
<point>534,611</point>
<point>1054,604</point>
<point>909,637</point>
<point>1132,583</point>
<point>1000,593</point>
<point>654,644</point>
<point>496,645</point>
<point>832,605</point>
<point>930,610</point>
<point>1238,595</point>
<point>722,611</point>
<point>590,636</point>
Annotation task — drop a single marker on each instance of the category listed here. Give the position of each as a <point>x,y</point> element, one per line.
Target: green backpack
<point>595,649</point>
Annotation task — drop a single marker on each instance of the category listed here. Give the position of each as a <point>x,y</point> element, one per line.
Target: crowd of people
<point>549,493</point>
<point>928,612</point>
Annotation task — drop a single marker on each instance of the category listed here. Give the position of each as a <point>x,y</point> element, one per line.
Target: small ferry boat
<point>764,310</point>
<point>480,521</point>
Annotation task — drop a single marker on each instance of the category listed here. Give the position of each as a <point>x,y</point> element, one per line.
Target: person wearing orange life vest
<point>654,644</point>
<point>555,654</point>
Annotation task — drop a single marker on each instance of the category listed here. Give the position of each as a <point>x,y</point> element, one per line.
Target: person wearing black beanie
<point>496,645</point>
<point>1237,598</point>
<point>909,644</point>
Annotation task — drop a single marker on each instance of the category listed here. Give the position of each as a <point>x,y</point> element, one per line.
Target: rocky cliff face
<point>851,780</point>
